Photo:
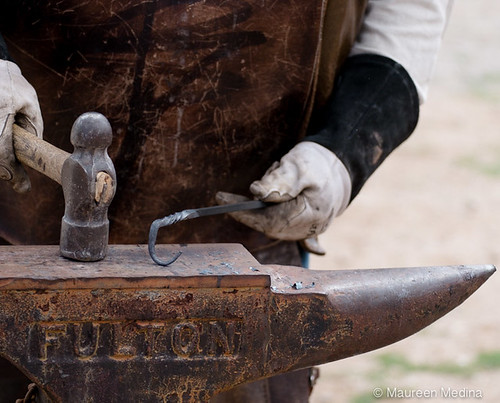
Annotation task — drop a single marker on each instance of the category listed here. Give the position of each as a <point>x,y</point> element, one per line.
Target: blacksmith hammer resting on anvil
<point>87,177</point>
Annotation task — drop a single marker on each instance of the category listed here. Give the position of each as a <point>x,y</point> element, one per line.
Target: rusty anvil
<point>124,329</point>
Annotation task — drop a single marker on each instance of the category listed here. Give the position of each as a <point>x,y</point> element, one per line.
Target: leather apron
<point>202,96</point>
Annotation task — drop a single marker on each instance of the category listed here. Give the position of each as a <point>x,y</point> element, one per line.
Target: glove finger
<point>255,221</point>
<point>29,117</point>
<point>290,220</point>
<point>11,169</point>
<point>33,125</point>
<point>312,245</point>
<point>296,172</point>
<point>25,102</point>
<point>269,220</point>
<point>20,180</point>
<point>293,220</point>
<point>281,183</point>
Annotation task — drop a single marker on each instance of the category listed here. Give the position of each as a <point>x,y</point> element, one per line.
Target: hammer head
<point>89,183</point>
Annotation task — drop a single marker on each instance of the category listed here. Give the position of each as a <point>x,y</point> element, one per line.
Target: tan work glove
<point>310,185</point>
<point>18,103</point>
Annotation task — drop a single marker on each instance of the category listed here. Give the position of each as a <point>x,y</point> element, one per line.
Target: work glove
<point>19,104</point>
<point>373,109</point>
<point>310,187</point>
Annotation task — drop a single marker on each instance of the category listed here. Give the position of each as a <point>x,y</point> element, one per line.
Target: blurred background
<point>435,201</point>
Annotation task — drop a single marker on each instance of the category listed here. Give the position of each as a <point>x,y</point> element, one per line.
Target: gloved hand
<point>18,103</point>
<point>310,185</point>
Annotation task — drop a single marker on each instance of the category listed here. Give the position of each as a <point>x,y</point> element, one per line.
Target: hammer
<point>88,180</point>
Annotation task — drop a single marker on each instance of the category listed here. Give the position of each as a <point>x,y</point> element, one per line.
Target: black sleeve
<point>373,109</point>
<point>4,53</point>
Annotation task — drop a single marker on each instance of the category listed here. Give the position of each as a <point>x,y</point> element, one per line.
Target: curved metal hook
<point>153,233</point>
<point>193,213</point>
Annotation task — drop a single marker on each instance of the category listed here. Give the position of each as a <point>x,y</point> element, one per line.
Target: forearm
<point>408,32</point>
<point>373,109</point>
<point>374,106</point>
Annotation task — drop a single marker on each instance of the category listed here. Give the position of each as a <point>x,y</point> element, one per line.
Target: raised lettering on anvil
<point>197,338</point>
<point>51,338</point>
<point>87,339</point>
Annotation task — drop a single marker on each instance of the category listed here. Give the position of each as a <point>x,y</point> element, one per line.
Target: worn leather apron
<point>202,96</point>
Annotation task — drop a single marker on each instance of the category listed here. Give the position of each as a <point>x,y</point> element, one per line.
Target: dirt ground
<point>434,202</point>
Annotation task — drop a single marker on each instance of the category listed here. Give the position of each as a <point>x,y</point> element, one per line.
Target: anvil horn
<point>345,313</point>
<point>128,328</point>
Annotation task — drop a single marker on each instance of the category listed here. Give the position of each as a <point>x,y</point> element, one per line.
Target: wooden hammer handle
<point>38,154</point>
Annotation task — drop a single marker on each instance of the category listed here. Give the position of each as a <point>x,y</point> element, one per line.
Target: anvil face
<point>214,319</point>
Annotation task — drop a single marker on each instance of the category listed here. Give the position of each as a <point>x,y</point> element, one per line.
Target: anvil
<point>127,330</point>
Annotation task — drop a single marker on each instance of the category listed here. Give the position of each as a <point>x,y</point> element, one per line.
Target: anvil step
<point>125,329</point>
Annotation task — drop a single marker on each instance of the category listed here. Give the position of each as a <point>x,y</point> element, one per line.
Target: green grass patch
<point>488,360</point>
<point>364,398</point>
<point>485,87</point>
<point>484,361</point>
<point>488,168</point>
<point>391,361</point>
